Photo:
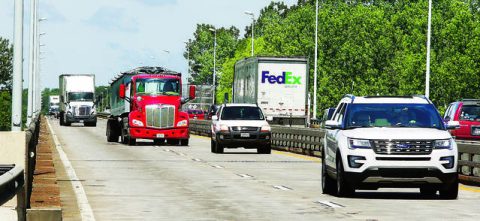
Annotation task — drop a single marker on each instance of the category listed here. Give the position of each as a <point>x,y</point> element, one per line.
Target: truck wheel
<point>61,120</point>
<point>123,136</point>
<point>159,141</point>
<point>66,123</point>
<point>218,147</point>
<point>131,141</point>
<point>212,146</point>
<point>450,191</point>
<point>328,184</point>
<point>184,142</point>
<point>172,141</point>
<point>344,189</point>
<point>112,135</point>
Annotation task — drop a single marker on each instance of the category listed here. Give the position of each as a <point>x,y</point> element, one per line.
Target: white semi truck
<point>53,105</point>
<point>278,85</point>
<point>77,105</point>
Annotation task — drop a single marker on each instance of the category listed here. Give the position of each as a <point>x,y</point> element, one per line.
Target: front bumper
<point>400,178</point>
<point>81,119</point>
<point>234,139</point>
<point>152,133</point>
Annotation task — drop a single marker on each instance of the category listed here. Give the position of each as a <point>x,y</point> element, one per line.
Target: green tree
<point>6,68</point>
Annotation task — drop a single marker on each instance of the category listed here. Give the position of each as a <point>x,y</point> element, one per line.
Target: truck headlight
<point>137,123</point>
<point>359,144</point>
<point>266,128</point>
<point>442,144</point>
<point>182,123</point>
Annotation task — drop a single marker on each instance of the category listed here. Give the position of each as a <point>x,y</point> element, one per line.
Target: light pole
<point>31,69</point>
<point>429,33</point>
<point>188,61</point>
<point>315,66</point>
<point>253,26</point>
<point>17,68</point>
<point>214,62</point>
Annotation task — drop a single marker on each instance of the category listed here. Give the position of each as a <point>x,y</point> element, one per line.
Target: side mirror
<point>192,91</point>
<point>452,125</point>
<point>214,117</point>
<point>331,124</point>
<point>121,91</point>
<point>269,118</point>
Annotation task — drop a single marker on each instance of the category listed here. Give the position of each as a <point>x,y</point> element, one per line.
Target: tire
<point>184,142</point>
<point>428,191</point>
<point>123,136</point>
<point>328,183</point>
<point>172,141</point>
<point>131,141</point>
<point>159,142</point>
<point>344,189</point>
<point>61,120</point>
<point>218,148</point>
<point>213,148</point>
<point>267,149</point>
<point>450,191</point>
<point>112,133</point>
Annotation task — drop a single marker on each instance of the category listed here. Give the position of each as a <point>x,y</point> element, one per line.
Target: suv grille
<point>244,128</point>
<point>160,116</point>
<point>402,147</point>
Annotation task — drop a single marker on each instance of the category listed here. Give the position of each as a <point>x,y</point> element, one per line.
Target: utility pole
<point>429,33</point>
<point>31,69</point>
<point>315,66</point>
<point>253,27</point>
<point>214,63</point>
<point>17,67</point>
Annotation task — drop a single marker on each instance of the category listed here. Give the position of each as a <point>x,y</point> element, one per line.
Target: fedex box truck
<point>278,85</point>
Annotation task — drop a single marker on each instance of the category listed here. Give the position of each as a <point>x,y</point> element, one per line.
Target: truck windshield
<point>158,86</point>
<point>80,96</point>
<point>242,113</point>
<point>393,115</point>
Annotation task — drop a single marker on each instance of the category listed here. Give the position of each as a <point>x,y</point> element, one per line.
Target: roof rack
<point>389,96</point>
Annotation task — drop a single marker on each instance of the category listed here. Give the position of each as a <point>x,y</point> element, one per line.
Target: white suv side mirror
<point>269,118</point>
<point>331,124</point>
<point>451,125</point>
<point>214,117</point>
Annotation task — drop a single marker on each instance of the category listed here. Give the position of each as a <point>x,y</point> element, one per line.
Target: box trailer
<point>278,85</point>
<point>77,104</point>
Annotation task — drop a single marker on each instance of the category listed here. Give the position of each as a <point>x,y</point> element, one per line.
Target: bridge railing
<point>308,141</point>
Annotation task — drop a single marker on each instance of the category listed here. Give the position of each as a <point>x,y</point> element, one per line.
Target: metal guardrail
<point>308,141</point>
<point>32,135</point>
<point>11,180</point>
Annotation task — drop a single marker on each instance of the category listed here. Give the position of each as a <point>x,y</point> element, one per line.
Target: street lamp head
<point>42,19</point>
<point>212,29</point>
<point>167,51</point>
<point>41,34</point>
<point>249,13</point>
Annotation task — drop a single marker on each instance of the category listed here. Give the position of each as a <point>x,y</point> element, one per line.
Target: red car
<point>467,113</point>
<point>196,114</point>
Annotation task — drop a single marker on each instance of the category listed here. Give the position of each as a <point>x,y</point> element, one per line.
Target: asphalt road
<point>148,182</point>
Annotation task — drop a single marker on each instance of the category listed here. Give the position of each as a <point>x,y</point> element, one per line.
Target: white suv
<point>388,141</point>
<point>240,125</point>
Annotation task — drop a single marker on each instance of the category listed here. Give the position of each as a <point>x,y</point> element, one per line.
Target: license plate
<point>244,135</point>
<point>160,135</point>
<point>476,131</point>
<point>81,121</point>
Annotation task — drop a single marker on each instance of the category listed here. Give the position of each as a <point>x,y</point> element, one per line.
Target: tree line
<point>364,47</point>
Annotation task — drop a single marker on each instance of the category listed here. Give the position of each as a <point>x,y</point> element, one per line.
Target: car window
<point>337,111</point>
<point>242,113</point>
<point>447,113</point>
<point>470,112</point>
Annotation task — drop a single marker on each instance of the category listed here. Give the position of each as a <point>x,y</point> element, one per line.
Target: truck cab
<point>146,104</point>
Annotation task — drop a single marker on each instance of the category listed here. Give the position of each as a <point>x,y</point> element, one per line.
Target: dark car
<point>212,110</point>
<point>196,114</point>
<point>467,114</point>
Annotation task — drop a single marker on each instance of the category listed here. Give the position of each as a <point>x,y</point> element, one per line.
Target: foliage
<point>6,68</point>
<point>368,47</point>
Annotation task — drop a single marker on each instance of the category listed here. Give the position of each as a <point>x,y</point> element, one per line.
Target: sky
<point>106,37</point>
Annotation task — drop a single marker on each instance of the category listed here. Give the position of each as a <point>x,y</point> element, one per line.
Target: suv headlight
<point>359,144</point>
<point>442,144</point>
<point>221,127</point>
<point>266,128</point>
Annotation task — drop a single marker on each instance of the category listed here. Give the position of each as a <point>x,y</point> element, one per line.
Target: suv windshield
<point>158,86</point>
<point>470,112</point>
<point>241,113</point>
<point>80,96</point>
<point>393,115</point>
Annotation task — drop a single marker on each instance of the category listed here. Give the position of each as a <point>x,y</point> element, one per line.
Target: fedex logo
<point>285,78</point>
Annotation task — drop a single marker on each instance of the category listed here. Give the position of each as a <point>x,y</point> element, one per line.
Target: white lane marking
<point>217,166</point>
<point>280,187</point>
<point>330,204</point>
<point>86,212</point>
<point>167,150</point>
<point>244,175</point>
<point>195,159</point>
<point>182,154</point>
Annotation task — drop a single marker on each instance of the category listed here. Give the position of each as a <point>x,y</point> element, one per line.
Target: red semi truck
<point>145,104</point>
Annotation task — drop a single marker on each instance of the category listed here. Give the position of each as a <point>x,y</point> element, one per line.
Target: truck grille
<point>160,116</point>
<point>402,147</point>
<point>82,110</point>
